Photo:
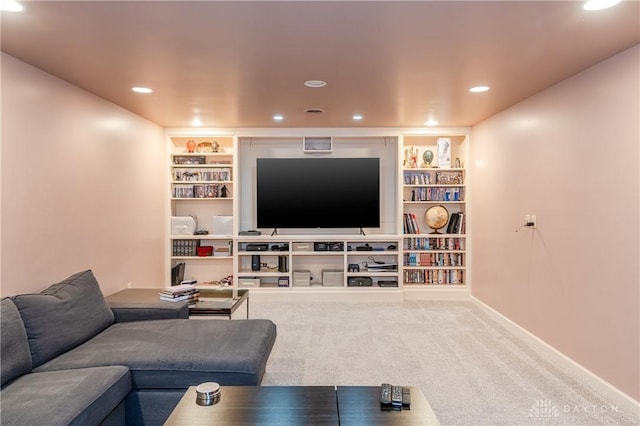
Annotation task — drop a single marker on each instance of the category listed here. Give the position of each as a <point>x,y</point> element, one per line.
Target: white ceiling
<point>236,64</point>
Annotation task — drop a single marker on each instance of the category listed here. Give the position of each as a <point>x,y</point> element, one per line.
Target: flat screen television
<point>318,192</point>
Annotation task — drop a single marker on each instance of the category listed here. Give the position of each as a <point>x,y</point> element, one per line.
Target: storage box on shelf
<point>434,255</point>
<point>202,187</point>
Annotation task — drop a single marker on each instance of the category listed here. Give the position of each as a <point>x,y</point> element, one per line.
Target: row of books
<point>180,293</point>
<point>442,178</point>
<point>417,178</point>
<point>456,223</point>
<point>428,243</point>
<point>433,259</point>
<point>437,194</point>
<point>410,224</point>
<point>209,190</point>
<point>208,174</point>
<point>434,276</point>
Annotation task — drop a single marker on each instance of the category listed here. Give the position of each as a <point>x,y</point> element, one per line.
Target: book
<point>185,298</point>
<point>179,288</point>
<point>176,295</point>
<point>453,223</point>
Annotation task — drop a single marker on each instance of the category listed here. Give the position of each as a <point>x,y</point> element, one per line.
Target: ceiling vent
<point>314,110</point>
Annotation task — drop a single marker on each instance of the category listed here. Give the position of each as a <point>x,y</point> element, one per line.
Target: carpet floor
<point>471,369</point>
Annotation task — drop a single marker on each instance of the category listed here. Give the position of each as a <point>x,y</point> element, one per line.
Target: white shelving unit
<point>201,185</point>
<point>428,265</point>
<point>434,259</point>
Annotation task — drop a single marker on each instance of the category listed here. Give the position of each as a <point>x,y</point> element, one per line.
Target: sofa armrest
<point>131,311</point>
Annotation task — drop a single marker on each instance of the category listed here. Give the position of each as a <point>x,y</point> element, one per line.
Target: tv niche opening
<point>318,192</point>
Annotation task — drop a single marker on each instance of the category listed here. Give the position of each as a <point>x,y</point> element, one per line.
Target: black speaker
<point>282,264</point>
<point>255,262</point>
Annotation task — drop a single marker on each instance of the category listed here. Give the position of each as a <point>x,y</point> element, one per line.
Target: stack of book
<point>180,293</point>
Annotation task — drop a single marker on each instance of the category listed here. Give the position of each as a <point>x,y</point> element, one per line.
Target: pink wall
<point>568,155</point>
<point>82,186</point>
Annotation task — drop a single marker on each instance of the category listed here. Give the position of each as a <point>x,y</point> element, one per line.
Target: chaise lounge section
<point>70,330</point>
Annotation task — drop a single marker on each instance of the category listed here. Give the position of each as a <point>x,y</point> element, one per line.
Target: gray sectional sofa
<point>70,358</point>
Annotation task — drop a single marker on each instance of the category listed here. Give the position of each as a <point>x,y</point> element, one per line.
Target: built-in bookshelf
<point>212,179</point>
<point>434,177</point>
<point>201,194</point>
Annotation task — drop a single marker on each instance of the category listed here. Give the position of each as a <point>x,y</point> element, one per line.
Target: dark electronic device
<point>255,262</point>
<point>385,396</point>
<point>258,247</point>
<point>320,246</point>
<point>250,232</point>
<point>336,247</point>
<point>282,263</point>
<point>359,282</point>
<point>396,396</point>
<point>388,283</point>
<point>365,247</point>
<point>406,398</point>
<point>318,192</point>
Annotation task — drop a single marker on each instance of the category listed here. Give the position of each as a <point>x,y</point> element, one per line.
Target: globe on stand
<point>436,218</point>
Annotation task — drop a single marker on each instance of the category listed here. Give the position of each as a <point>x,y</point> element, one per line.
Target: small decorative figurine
<point>223,191</point>
<point>427,157</point>
<point>411,158</point>
<point>191,145</point>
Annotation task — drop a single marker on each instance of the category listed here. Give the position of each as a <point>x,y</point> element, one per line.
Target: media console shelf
<point>348,263</point>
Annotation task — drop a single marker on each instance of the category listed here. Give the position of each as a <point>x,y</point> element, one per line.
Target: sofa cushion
<point>175,354</point>
<point>74,397</point>
<point>14,346</point>
<point>63,316</point>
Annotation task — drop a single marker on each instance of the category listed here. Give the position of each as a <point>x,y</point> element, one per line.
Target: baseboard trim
<point>436,293</point>
<point>625,401</point>
<point>339,294</point>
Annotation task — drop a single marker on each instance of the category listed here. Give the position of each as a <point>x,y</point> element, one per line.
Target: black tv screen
<point>318,192</point>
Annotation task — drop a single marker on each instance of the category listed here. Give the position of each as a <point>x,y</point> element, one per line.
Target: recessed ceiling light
<point>10,6</point>
<point>599,4</point>
<point>141,89</point>
<point>196,122</point>
<point>357,117</point>
<point>431,122</point>
<point>315,83</point>
<point>479,89</point>
<point>278,117</point>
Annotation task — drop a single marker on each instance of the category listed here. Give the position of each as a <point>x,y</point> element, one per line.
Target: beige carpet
<point>472,370</point>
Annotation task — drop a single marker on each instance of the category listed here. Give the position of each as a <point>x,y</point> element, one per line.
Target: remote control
<point>385,395</point>
<point>406,398</point>
<point>396,396</point>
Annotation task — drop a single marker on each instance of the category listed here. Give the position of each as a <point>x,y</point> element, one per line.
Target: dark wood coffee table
<point>300,405</point>
<point>360,405</point>
<point>260,405</point>
<point>212,303</point>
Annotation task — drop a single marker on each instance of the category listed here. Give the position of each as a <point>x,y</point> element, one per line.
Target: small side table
<point>212,302</point>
